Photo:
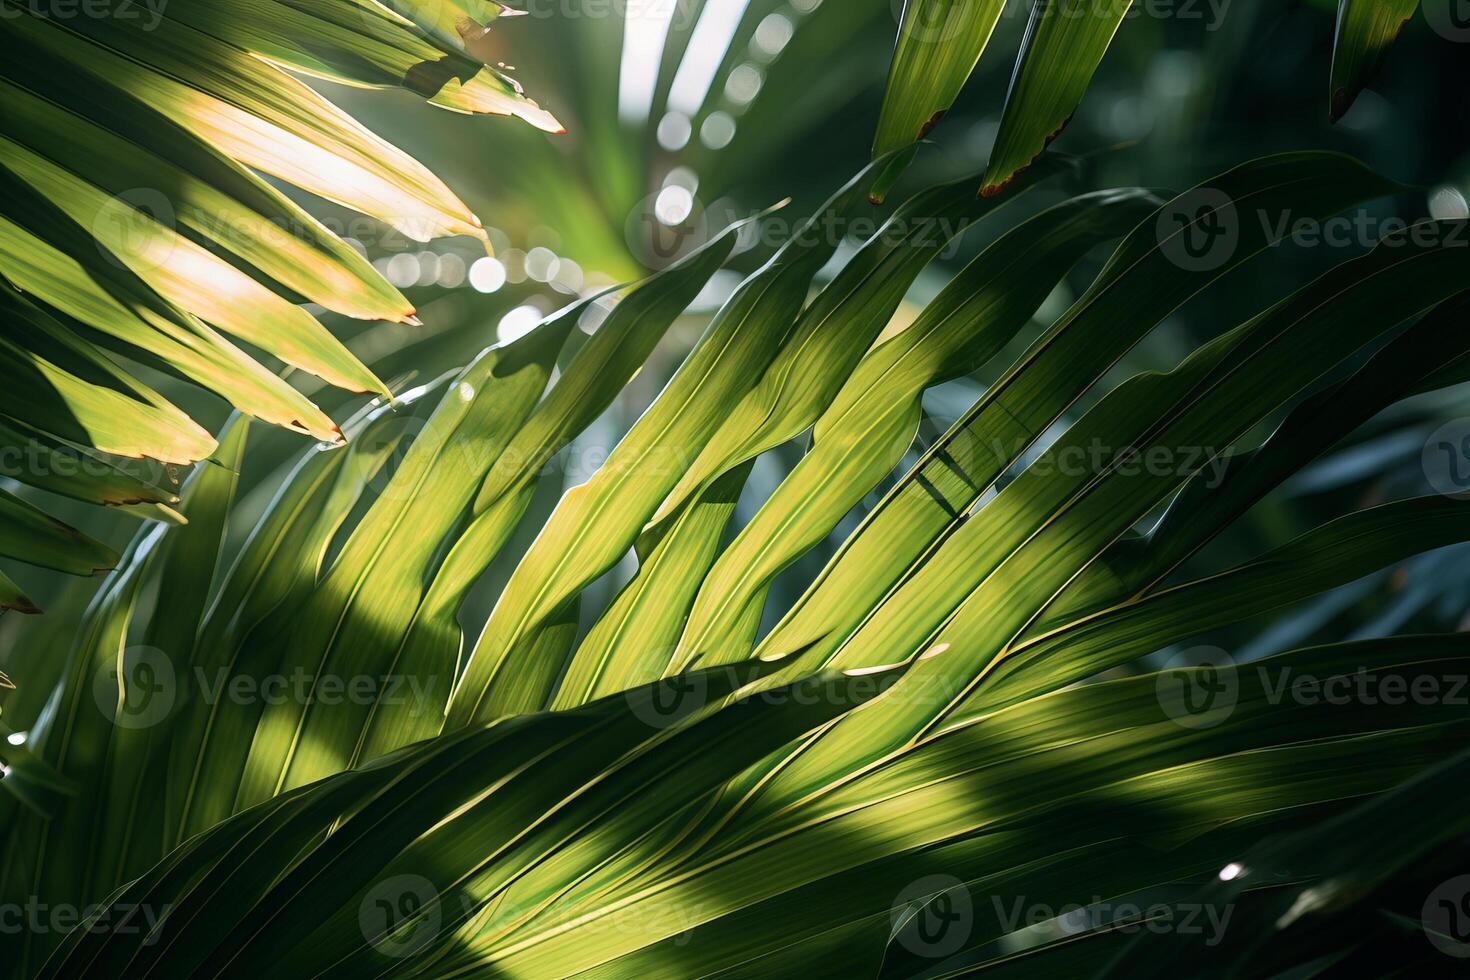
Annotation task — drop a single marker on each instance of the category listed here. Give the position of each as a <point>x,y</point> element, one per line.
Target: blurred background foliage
<point>685,115</point>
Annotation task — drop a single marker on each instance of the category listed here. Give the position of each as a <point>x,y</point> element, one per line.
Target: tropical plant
<point>941,41</point>
<point>703,799</point>
<point>134,223</point>
<point>303,753</point>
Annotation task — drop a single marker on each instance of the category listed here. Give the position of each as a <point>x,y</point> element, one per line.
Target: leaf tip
<point>930,123</point>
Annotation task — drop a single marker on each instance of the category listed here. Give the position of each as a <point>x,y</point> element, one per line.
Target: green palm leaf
<point>1065,42</point>
<point>1364,33</point>
<point>135,223</point>
<point>940,41</point>
<point>702,799</point>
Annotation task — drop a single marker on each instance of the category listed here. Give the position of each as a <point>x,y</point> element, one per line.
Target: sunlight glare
<point>708,46</point>
<point>644,32</point>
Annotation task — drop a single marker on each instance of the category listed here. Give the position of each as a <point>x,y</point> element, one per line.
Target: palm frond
<point>941,41</point>
<point>137,222</point>
<point>664,789</point>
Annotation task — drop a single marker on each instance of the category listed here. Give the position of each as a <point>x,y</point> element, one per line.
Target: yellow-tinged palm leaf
<point>28,535</point>
<point>602,518</point>
<point>135,222</point>
<point>63,387</point>
<point>529,873</point>
<point>54,266</point>
<point>1365,30</point>
<point>11,597</point>
<point>785,803</point>
<point>270,121</point>
<point>364,42</point>
<point>939,43</point>
<point>193,278</point>
<point>874,417</point>
<point>1065,42</point>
